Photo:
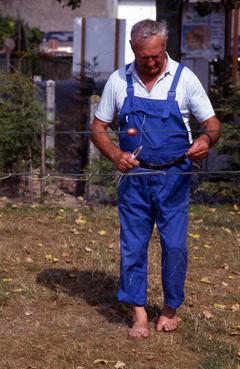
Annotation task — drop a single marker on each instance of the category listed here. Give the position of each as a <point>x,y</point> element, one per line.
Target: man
<point>154,98</point>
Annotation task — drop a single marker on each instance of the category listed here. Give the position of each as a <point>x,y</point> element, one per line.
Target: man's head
<point>148,42</point>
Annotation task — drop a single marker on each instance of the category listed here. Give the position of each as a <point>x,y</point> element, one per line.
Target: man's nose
<point>150,62</point>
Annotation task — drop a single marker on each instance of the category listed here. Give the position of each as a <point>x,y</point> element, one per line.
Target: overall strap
<point>130,88</point>
<point>172,91</point>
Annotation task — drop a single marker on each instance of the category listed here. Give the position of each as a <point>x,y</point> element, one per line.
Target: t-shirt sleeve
<point>199,102</point>
<point>107,105</point>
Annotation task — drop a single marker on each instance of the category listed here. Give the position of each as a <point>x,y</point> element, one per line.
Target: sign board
<point>203,36</point>
<point>98,46</point>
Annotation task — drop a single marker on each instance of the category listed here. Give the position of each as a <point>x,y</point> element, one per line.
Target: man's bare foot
<point>140,323</point>
<point>168,320</point>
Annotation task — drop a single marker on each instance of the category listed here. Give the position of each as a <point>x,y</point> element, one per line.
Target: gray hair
<point>147,28</point>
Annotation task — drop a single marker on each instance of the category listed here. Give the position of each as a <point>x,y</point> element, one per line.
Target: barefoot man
<point>154,98</point>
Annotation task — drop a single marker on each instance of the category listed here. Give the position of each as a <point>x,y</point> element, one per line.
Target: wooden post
<point>50,114</point>
<point>83,47</point>
<point>30,182</point>
<point>43,162</point>
<point>235,42</point>
<point>116,44</point>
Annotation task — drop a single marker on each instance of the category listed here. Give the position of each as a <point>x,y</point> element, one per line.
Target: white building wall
<point>134,11</point>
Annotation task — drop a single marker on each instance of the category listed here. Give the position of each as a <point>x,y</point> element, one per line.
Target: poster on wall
<point>203,37</point>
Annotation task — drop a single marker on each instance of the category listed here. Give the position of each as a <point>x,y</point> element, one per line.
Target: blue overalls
<point>146,199</point>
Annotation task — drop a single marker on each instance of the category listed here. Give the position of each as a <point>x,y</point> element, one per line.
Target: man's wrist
<point>210,140</point>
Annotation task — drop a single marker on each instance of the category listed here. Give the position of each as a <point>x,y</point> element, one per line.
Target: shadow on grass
<point>97,288</point>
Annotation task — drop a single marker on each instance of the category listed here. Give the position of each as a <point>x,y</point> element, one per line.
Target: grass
<point>58,278</point>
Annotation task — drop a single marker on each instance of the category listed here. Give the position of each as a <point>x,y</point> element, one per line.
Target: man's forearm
<point>212,130</point>
<point>102,141</point>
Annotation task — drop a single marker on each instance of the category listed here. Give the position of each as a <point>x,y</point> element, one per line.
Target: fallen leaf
<point>219,306</point>
<point>234,333</point>
<point>238,353</point>
<point>60,217</point>
<point>119,365</point>
<point>87,249</point>
<point>235,307</point>
<point>225,284</point>
<point>208,314</point>
<point>51,258</point>
<point>227,230</point>
<point>206,246</point>
<point>75,231</point>
<point>102,232</point>
<point>28,313</point>
<point>17,290</point>
<point>103,361</point>
<point>206,280</point>
<point>196,236</point>
<point>29,260</point>
<point>198,258</point>
<point>236,327</point>
<point>212,210</point>
<point>7,280</point>
<point>81,220</point>
<point>65,254</point>
<point>235,207</point>
<point>231,277</point>
<point>225,266</point>
<point>198,221</point>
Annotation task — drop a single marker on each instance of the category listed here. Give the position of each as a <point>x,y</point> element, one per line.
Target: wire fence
<point>36,183</point>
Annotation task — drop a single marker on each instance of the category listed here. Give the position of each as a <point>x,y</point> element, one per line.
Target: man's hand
<point>124,161</point>
<point>199,149</point>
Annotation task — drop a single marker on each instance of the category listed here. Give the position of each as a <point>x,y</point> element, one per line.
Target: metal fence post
<point>50,114</point>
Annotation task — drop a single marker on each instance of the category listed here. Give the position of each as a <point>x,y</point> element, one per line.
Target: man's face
<point>149,55</point>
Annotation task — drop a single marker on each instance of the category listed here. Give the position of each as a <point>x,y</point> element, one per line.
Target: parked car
<point>58,43</point>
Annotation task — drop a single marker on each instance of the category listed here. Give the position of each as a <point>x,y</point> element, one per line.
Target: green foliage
<point>226,97</point>
<point>101,165</point>
<point>73,4</point>
<point>222,190</point>
<point>21,116</point>
<point>26,38</point>
<point>7,28</point>
<point>34,37</point>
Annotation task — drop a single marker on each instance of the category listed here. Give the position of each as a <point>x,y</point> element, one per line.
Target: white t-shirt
<point>190,94</point>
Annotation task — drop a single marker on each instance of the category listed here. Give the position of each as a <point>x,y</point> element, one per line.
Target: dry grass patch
<point>58,278</point>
